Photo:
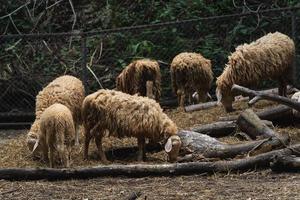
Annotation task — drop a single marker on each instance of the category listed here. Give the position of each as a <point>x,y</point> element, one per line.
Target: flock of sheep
<point>132,111</point>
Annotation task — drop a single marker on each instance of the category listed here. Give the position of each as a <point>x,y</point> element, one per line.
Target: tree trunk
<point>285,163</point>
<point>221,129</point>
<point>201,106</point>
<point>259,95</point>
<point>141,170</point>
<point>274,114</point>
<point>211,148</point>
<point>250,123</point>
<point>217,129</point>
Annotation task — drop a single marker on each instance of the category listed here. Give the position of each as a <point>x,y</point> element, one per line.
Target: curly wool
<point>191,72</point>
<point>126,115</point>
<point>57,122</point>
<point>269,57</point>
<point>67,90</point>
<point>57,129</point>
<point>133,78</point>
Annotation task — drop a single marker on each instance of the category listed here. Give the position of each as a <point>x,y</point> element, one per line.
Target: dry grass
<point>16,154</point>
<point>249,185</point>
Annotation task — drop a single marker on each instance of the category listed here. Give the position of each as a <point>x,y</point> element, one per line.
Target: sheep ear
<point>35,145</point>
<point>168,145</point>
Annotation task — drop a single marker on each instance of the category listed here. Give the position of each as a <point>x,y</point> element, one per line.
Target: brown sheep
<point>269,57</point>
<point>67,90</point>
<point>191,72</point>
<point>126,115</point>
<point>57,133</point>
<point>134,78</point>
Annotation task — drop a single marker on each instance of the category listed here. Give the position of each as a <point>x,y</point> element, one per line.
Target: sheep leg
<point>181,98</point>
<point>190,98</point>
<point>282,89</point>
<point>141,146</point>
<point>98,141</point>
<point>77,135</point>
<point>51,152</point>
<point>44,149</point>
<point>87,140</point>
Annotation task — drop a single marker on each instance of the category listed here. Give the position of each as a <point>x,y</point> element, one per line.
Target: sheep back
<point>191,72</point>
<point>269,57</point>
<point>126,115</point>
<point>133,78</point>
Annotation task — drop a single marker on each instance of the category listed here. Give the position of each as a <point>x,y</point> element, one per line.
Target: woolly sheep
<point>191,72</point>
<point>57,132</point>
<point>269,57</point>
<point>134,78</point>
<point>67,90</point>
<point>126,115</point>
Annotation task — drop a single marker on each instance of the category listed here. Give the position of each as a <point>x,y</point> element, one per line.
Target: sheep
<point>137,75</point>
<point>57,132</point>
<point>269,57</point>
<point>127,115</point>
<point>191,72</point>
<point>67,90</point>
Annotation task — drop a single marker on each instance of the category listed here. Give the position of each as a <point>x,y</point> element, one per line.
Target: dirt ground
<point>248,185</point>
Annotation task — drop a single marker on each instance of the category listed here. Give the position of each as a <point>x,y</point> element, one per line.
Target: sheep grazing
<point>269,57</point>
<point>126,115</point>
<point>137,75</point>
<point>66,90</point>
<point>191,72</point>
<point>57,133</point>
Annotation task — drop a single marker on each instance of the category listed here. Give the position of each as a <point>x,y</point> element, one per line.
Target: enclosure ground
<point>250,185</point>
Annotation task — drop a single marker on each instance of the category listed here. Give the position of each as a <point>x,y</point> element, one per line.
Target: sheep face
<point>201,97</point>
<point>226,100</point>
<point>32,139</point>
<point>172,147</point>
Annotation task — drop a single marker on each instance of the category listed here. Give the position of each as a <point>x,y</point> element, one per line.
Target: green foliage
<point>111,53</point>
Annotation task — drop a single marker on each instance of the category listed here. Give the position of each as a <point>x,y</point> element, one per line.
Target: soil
<point>262,184</point>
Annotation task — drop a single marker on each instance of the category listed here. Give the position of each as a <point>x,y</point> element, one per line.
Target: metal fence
<point>28,62</point>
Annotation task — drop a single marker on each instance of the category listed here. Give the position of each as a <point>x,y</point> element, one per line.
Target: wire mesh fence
<point>29,62</point>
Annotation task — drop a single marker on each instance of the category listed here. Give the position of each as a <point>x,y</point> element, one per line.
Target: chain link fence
<point>29,62</point>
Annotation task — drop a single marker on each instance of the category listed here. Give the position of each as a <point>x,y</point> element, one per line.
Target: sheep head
<point>172,147</point>
<point>225,99</point>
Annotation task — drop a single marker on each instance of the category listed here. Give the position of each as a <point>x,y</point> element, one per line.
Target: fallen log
<point>259,96</point>
<point>211,148</point>
<point>140,170</point>
<point>285,163</point>
<point>221,129</point>
<point>272,114</point>
<point>203,106</point>
<point>217,129</point>
<point>248,122</point>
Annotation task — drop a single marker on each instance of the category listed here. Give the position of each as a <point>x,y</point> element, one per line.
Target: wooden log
<point>217,129</point>
<point>140,170</point>
<point>272,114</point>
<point>248,122</point>
<point>285,163</point>
<point>259,96</point>
<point>221,129</point>
<point>209,147</point>
<point>201,106</point>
